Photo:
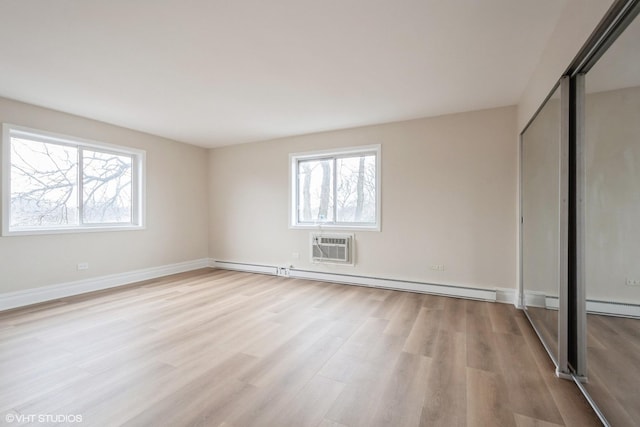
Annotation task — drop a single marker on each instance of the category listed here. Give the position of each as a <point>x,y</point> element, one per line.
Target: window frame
<point>138,182</point>
<point>334,154</point>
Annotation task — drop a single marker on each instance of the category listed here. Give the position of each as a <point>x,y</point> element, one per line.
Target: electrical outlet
<point>283,271</point>
<point>83,266</point>
<point>295,255</point>
<point>633,282</point>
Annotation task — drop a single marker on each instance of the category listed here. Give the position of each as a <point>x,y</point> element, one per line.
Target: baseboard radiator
<point>374,282</point>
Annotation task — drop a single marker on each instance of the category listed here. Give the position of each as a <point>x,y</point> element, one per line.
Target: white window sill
<point>334,227</point>
<point>70,230</point>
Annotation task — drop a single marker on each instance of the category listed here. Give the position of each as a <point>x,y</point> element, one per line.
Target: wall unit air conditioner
<point>332,248</point>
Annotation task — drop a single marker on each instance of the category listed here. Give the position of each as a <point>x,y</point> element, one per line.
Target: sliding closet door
<point>580,231</point>
<point>612,228</point>
<point>543,225</point>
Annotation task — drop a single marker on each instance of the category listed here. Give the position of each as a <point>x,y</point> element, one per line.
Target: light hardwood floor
<point>613,367</point>
<point>613,357</point>
<point>546,321</point>
<point>221,348</point>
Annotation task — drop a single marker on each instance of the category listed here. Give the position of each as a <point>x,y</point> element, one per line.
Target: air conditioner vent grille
<point>332,249</point>
<point>333,241</point>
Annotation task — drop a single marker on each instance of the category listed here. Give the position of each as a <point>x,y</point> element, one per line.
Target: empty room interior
<point>331,213</point>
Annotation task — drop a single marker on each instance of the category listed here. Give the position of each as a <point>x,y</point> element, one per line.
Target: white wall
<point>449,193</point>
<point>448,197</point>
<point>541,201</point>
<point>612,242</point>
<point>177,211</point>
<point>578,20</point>
<point>576,23</point>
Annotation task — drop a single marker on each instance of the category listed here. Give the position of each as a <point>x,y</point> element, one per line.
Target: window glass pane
<point>106,187</point>
<point>43,184</point>
<point>315,191</point>
<point>356,189</point>
<point>338,189</point>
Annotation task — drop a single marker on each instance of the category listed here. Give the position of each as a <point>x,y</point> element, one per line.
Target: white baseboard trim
<point>518,299</point>
<point>611,308</point>
<point>507,296</point>
<point>239,266</point>
<point>375,282</point>
<point>606,308</point>
<point>47,293</point>
<point>552,302</point>
<point>535,299</point>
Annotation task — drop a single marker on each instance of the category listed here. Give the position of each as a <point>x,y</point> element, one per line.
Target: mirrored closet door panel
<point>612,229</point>
<point>541,210</point>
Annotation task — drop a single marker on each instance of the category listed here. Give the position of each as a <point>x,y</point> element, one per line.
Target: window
<point>339,189</point>
<point>55,183</point>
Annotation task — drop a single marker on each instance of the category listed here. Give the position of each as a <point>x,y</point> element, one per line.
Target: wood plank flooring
<point>613,358</point>
<point>546,321</point>
<point>222,348</point>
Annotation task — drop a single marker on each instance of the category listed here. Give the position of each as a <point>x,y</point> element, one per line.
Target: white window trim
<point>138,185</point>
<point>293,188</point>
